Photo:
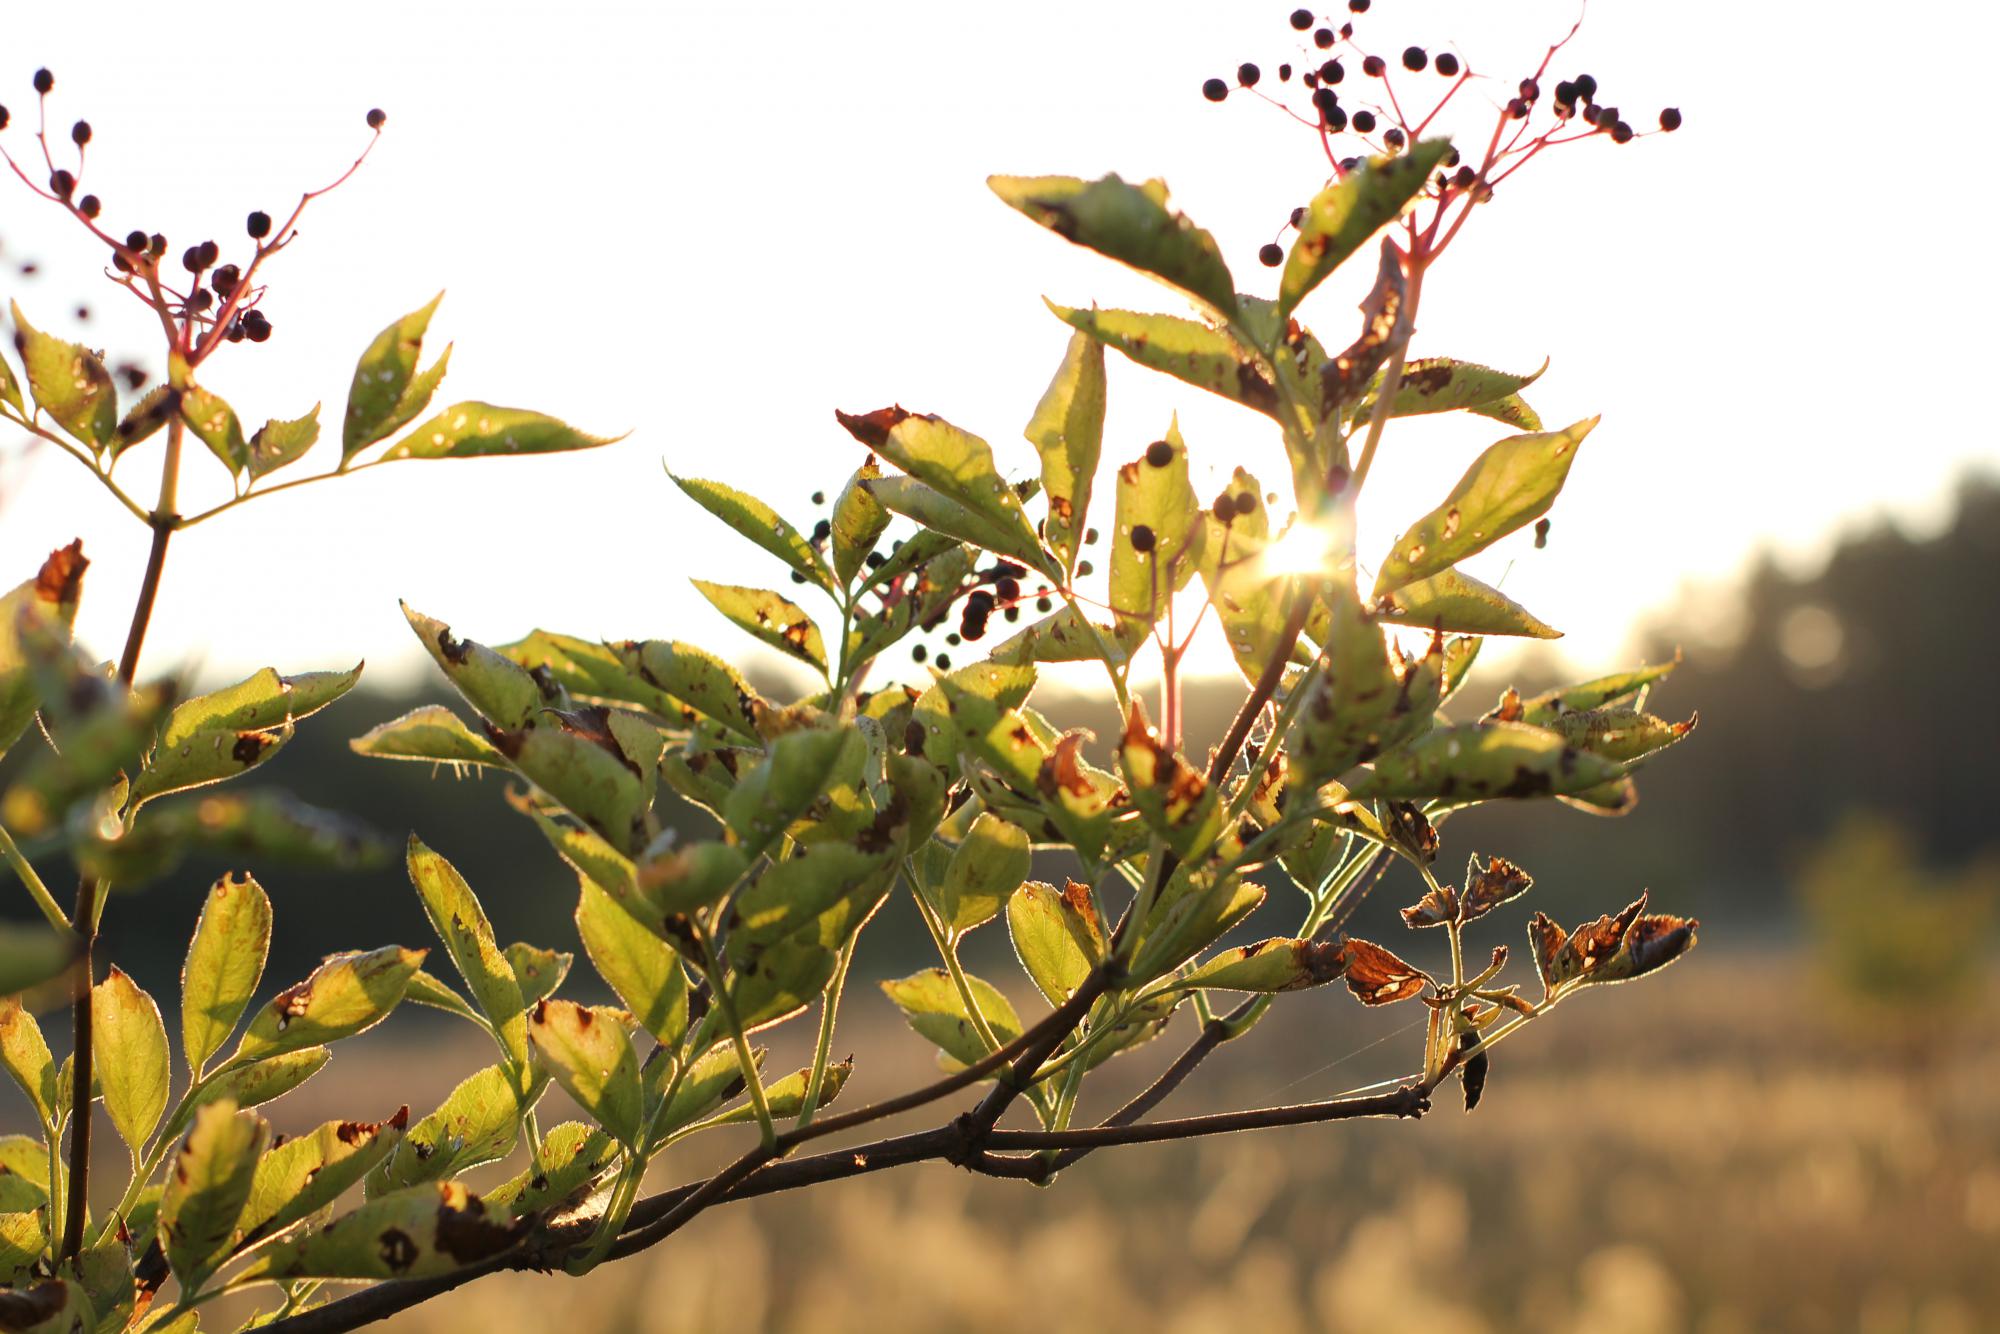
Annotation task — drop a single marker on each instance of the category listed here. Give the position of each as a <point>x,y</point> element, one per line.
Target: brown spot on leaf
<point>468,1234</point>
<point>250,746</point>
<point>397,1250</point>
<point>455,651</point>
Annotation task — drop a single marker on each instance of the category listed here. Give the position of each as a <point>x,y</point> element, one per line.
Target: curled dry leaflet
<point>1350,751</point>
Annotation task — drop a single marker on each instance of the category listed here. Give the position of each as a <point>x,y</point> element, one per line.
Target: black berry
<point>1284,73</point>
<point>1374,66</point>
<point>1621,133</point>
<point>1247,74</point>
<point>45,82</point>
<point>1670,119</point>
<point>919,653</point>
<point>1358,6</point>
<point>1447,63</point>
<point>1142,538</point>
<point>1364,122</point>
<point>90,206</point>
<point>1531,90</point>
<point>1215,90</point>
<point>1298,215</point>
<point>1517,108</point>
<point>1586,87</point>
<point>1246,502</point>
<point>875,560</point>
<point>1090,537</point>
<point>79,133</point>
<point>1414,58</point>
<point>1271,255</point>
<point>1083,569</point>
<point>1323,38</point>
<point>62,184</point>
<point>1327,101</point>
<point>3,118</point>
<point>255,327</point>
<point>1541,534</point>
<point>944,662</point>
<point>210,252</point>
<point>1044,604</point>
<point>1393,137</point>
<point>1336,119</point>
<point>819,497</point>
<point>258,225</point>
<point>1159,453</point>
<point>156,245</point>
<point>1331,72</point>
<point>1302,19</point>
<point>376,117</point>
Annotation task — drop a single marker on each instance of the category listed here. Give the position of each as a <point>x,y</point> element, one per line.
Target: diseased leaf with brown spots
<point>1653,941</point>
<point>1067,430</point>
<point>1487,887</point>
<point>416,1233</point>
<point>1377,977</point>
<point>1198,354</point>
<point>1593,944</point>
<point>1341,218</point>
<point>1130,223</point>
<point>770,617</point>
<point>1437,907</point>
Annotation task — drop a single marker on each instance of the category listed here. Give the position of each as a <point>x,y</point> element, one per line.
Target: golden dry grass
<point>1722,1149</point>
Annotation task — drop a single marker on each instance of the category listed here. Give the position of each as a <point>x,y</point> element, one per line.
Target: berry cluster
<point>1375,111</point>
<point>223,310</point>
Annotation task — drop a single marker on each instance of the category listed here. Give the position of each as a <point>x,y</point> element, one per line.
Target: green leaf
<point>476,430</point>
<point>640,968</point>
<point>1064,636</point>
<point>930,1002</point>
<point>381,379</point>
<point>32,955</point>
<point>1205,357</point>
<point>987,867</point>
<point>1171,793</point>
<point>1509,486</point>
<point>432,993</point>
<point>225,960</point>
<point>1622,735</point>
<point>588,1053</point>
<point>260,1082</point>
<point>941,514</point>
<point>581,761</point>
<point>1279,964</point>
<point>1129,223</point>
<point>263,823</point>
<point>786,1097</point>
<point>587,668</point>
<point>501,689</point>
<point>260,703</point>
<point>758,522</point>
<point>478,1123</point>
<point>1158,499</point>
<point>432,733</point>
<point>10,388</point>
<point>421,1232</point>
<point>573,1155</point>
<point>143,419</point>
<point>770,617</point>
<point>1057,936</point>
<point>1513,410</point>
<point>460,922</point>
<point>954,463</point>
<point>1196,909</point>
<point>24,1236</point>
<point>798,770</point>
<point>1347,715</point>
<point>1441,384</point>
<point>1067,430</point>
<point>25,1053</point>
<point>1481,762</point>
<point>207,1189</point>
<point>129,1043</point>
<point>1617,688</point>
<point>25,1160</point>
<point>1455,603</point>
<point>348,994</point>
<point>792,895</point>
<point>277,443</point>
<point>306,1174</point>
<point>858,523</point>
<point>1343,217</point>
<point>215,425</point>
<point>697,677</point>
<point>788,976</point>
<point>539,971</point>
<point>212,755</point>
<point>69,383</point>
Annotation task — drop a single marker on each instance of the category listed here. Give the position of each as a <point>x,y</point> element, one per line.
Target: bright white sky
<point>712,224</point>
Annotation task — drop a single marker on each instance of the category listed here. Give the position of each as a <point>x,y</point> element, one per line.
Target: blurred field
<point>1725,1148</point>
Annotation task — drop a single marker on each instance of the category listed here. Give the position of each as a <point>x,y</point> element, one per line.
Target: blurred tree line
<point>1859,688</point>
